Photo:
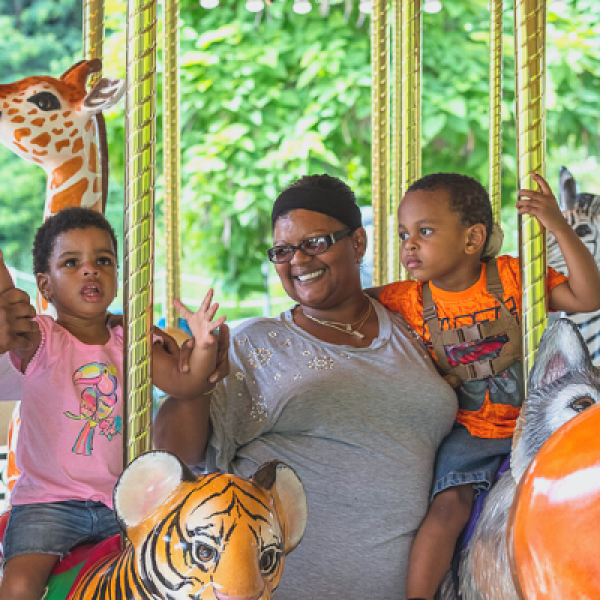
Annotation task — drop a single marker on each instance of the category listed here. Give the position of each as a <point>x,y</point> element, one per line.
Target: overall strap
<point>506,324</point>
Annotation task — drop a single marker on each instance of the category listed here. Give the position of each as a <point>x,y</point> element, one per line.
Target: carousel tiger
<point>212,537</point>
<point>582,211</point>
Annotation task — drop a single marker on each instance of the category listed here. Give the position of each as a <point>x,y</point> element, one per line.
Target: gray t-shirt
<point>360,426</point>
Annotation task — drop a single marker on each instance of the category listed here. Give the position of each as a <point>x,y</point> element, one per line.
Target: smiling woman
<point>338,388</point>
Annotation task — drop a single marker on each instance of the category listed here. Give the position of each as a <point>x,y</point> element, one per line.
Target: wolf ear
<point>561,350</point>
<point>567,190</point>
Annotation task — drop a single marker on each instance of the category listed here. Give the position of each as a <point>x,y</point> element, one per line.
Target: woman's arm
<point>182,426</point>
<point>581,293</point>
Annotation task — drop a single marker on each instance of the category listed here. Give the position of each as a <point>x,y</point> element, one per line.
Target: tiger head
<point>217,537</point>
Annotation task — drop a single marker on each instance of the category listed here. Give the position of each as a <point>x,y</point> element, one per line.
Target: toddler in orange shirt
<point>465,304</point>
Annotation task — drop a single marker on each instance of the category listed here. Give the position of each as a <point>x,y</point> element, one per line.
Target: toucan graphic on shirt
<point>98,401</point>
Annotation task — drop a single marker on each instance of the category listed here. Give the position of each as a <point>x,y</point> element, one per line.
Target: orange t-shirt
<point>455,309</point>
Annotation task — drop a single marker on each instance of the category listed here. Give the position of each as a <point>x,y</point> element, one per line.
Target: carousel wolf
<point>563,382</point>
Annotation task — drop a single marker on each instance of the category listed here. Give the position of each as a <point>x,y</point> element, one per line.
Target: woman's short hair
<point>320,193</point>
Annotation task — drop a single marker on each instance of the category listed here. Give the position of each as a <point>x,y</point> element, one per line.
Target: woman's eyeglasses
<point>312,246</point>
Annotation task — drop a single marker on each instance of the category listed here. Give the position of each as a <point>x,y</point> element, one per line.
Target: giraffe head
<point>52,122</point>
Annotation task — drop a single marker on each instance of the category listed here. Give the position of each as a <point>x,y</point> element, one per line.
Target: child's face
<point>434,241</point>
<point>82,277</point>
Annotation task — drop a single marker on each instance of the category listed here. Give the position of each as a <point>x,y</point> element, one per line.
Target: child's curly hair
<point>468,198</point>
<point>63,221</point>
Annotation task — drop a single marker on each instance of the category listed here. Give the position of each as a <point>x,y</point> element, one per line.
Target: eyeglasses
<point>311,247</point>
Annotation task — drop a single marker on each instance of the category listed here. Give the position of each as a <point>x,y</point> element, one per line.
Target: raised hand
<point>6,282</point>
<point>542,205</point>
<point>204,329</point>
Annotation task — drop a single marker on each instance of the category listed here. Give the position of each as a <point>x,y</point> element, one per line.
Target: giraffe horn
<point>77,75</point>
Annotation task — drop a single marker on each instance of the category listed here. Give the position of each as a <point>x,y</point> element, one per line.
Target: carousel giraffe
<point>58,124</point>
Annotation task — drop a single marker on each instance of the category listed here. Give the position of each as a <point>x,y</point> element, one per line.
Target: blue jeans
<point>465,459</point>
<point>57,527</point>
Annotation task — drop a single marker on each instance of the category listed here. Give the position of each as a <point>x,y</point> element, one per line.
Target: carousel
<point>535,538</point>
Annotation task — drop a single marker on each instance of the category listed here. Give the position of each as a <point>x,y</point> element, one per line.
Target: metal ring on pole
<point>140,155</point>
<point>379,134</point>
<point>530,26</point>
<point>171,153</point>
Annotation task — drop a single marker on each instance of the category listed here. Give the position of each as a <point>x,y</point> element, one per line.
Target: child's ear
<point>43,285</point>
<point>476,237</point>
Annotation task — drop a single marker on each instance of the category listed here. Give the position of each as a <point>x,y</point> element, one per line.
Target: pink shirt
<point>70,444</point>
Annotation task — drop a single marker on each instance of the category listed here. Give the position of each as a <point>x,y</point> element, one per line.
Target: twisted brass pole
<point>171,152</point>
<point>530,26</point>
<point>139,222</point>
<point>379,145</point>
<point>93,33</point>
<point>396,131</point>
<point>495,148</point>
<point>411,100</point>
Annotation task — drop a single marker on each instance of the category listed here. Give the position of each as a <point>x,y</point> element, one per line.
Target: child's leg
<point>432,550</point>
<point>26,575</point>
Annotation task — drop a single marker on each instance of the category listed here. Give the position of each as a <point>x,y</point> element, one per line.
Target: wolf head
<point>562,383</point>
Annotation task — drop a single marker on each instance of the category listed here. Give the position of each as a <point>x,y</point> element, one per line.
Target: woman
<point>338,388</point>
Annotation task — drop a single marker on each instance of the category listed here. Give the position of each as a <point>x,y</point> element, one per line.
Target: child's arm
<point>581,293</point>
<point>203,359</point>
<point>18,333</point>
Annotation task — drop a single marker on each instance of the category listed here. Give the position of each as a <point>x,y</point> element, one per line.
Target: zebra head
<point>582,211</point>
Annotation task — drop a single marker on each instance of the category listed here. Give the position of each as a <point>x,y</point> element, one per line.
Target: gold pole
<point>411,99</point>
<point>530,25</point>
<point>93,33</point>
<point>495,150</point>
<point>139,223</point>
<point>379,134</point>
<point>396,132</point>
<point>171,149</point>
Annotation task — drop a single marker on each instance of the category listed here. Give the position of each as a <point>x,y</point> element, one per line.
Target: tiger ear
<point>290,499</point>
<point>145,484</point>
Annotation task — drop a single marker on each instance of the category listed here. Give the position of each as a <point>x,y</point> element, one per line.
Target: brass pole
<point>171,151</point>
<point>411,98</point>
<point>379,133</point>
<point>396,133</point>
<point>530,25</point>
<point>495,150</point>
<point>93,33</point>
<point>139,223</point>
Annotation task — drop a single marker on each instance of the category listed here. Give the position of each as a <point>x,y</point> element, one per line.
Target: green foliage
<point>263,103</point>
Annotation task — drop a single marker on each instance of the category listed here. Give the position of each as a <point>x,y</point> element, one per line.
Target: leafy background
<point>264,102</point>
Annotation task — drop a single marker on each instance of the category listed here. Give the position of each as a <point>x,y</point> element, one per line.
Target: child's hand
<point>542,205</point>
<point>6,282</point>
<point>202,326</point>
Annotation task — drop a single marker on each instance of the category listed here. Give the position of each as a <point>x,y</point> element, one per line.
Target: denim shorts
<point>465,459</point>
<point>57,527</point>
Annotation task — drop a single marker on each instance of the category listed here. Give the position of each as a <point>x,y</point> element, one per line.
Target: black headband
<point>328,202</point>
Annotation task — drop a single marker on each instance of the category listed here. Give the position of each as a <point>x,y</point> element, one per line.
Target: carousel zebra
<point>582,211</point>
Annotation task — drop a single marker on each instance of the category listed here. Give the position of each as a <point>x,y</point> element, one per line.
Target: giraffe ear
<point>78,74</point>
<point>105,94</point>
